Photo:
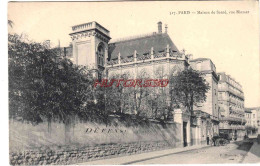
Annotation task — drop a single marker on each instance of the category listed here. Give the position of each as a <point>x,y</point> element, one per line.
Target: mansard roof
<point>142,45</point>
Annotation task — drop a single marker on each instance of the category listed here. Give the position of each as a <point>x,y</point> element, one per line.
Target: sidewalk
<point>253,156</point>
<point>140,157</point>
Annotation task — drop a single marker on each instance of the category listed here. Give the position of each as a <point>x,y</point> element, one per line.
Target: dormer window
<point>162,51</point>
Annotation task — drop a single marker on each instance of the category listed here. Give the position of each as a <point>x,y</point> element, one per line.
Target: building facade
<point>248,115</point>
<point>158,55</point>
<point>231,103</point>
<point>252,116</point>
<point>208,70</point>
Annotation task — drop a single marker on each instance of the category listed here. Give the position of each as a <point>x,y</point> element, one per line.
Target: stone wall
<point>77,155</point>
<point>57,143</point>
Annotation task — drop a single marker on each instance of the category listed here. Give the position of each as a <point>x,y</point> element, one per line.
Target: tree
<point>140,95</point>
<point>43,85</point>
<point>118,97</point>
<point>127,100</point>
<point>10,23</point>
<point>188,88</point>
<point>157,99</point>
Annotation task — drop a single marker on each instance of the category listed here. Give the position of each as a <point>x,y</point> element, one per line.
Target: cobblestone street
<point>232,153</point>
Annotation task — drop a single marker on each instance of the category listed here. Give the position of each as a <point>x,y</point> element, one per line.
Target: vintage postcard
<point>141,82</point>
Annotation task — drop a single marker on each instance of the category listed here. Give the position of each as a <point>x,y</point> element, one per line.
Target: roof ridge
<point>251,108</point>
<point>197,59</point>
<point>135,37</point>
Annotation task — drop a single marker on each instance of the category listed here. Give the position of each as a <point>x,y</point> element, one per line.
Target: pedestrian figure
<point>245,137</point>
<point>211,140</point>
<point>214,138</point>
<point>207,139</point>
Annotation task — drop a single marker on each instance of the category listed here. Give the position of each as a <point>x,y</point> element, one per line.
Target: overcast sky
<point>231,41</point>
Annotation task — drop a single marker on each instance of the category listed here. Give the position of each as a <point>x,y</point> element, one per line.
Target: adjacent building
<point>252,116</point>
<point>231,106</point>
<point>248,115</point>
<point>210,107</point>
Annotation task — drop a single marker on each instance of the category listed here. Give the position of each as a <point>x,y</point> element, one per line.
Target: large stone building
<point>231,103</point>
<point>154,53</point>
<point>208,70</point>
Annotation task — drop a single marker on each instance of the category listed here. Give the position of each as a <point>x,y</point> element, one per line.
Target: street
<point>232,153</point>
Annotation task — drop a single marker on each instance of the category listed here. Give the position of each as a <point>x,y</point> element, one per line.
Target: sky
<point>231,41</point>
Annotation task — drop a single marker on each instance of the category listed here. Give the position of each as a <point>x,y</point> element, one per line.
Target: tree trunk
<point>49,125</point>
<point>67,130</point>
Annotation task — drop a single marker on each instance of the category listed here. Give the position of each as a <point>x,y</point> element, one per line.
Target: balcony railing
<point>144,57</point>
<point>168,54</point>
<point>176,55</point>
<point>236,93</point>
<point>160,55</point>
<point>88,26</point>
<point>82,26</point>
<point>231,120</point>
<point>127,60</point>
<point>240,95</point>
<point>112,62</point>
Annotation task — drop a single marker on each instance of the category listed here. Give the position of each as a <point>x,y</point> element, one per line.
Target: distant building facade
<point>248,114</point>
<point>248,126</point>
<point>231,103</point>
<point>253,119</point>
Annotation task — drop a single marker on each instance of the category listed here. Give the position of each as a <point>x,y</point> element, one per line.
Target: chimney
<point>159,27</point>
<point>166,28</point>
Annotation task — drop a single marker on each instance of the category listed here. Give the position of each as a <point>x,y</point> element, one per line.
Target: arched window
<point>100,55</point>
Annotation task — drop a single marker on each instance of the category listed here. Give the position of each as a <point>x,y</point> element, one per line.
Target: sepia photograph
<point>133,82</point>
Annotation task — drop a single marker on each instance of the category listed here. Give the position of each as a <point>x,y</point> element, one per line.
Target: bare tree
<point>10,23</point>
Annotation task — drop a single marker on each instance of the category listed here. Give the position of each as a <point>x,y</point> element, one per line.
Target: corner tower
<point>90,45</point>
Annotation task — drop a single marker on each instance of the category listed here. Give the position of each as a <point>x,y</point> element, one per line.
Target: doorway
<point>185,134</point>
